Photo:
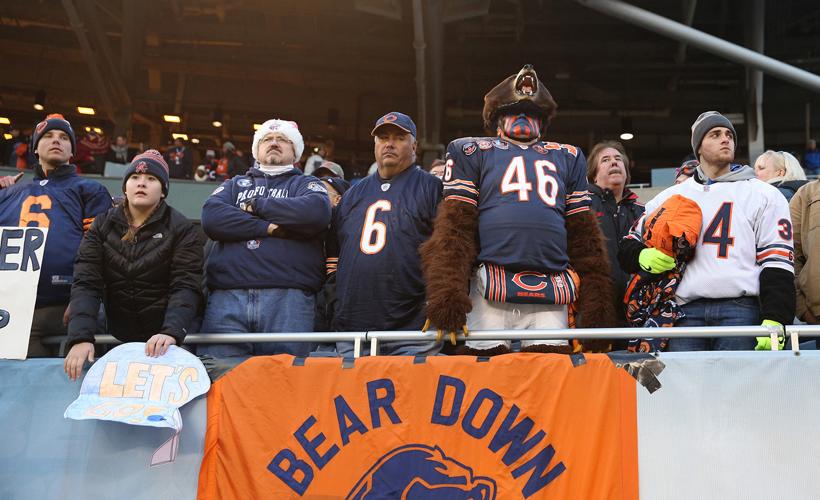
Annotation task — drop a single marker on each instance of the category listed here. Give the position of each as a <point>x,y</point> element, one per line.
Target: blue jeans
<point>742,311</point>
<point>392,348</point>
<point>266,310</point>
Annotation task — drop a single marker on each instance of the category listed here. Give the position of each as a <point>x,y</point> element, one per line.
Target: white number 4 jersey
<point>746,227</point>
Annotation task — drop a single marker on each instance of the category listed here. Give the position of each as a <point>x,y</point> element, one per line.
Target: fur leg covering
<point>548,349</point>
<point>447,260</point>
<point>588,256</point>
<point>463,350</point>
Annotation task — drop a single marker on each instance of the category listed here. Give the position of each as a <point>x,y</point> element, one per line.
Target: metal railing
<point>376,337</point>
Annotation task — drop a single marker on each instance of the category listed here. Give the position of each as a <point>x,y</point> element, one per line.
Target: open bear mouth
<point>526,83</point>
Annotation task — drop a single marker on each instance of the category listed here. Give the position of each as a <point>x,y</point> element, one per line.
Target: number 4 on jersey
<point>719,231</point>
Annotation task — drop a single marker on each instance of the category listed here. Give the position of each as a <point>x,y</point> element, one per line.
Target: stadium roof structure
<point>335,66</point>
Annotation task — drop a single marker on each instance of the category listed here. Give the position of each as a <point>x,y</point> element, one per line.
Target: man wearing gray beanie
<point>742,272</point>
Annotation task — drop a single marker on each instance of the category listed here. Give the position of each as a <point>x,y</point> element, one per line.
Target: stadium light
<point>40,100</point>
<point>257,126</point>
<point>184,137</point>
<point>171,118</point>
<point>194,140</point>
<point>97,130</point>
<point>627,132</point>
<point>83,110</point>
<point>217,118</point>
<point>4,121</point>
<point>7,136</point>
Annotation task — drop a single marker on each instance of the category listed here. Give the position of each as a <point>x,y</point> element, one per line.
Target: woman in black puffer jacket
<point>143,259</point>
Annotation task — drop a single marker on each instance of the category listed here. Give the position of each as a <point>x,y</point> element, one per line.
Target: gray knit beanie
<point>706,122</point>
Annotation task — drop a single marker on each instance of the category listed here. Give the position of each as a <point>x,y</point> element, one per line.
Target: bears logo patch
<point>469,148</point>
<point>218,190</point>
<point>420,471</point>
<point>317,186</point>
<point>141,167</point>
<point>540,149</point>
<point>244,183</point>
<point>485,145</point>
<point>253,244</point>
<point>501,144</point>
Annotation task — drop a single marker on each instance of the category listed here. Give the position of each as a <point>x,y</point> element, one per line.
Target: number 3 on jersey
<point>515,180</point>
<point>374,233</point>
<point>719,231</point>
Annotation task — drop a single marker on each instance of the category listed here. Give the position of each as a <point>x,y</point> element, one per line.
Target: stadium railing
<point>376,337</point>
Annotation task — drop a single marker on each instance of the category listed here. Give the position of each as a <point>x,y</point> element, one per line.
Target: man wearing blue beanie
<point>59,199</point>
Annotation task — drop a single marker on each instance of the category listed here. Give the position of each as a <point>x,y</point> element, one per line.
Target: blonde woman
<point>781,170</point>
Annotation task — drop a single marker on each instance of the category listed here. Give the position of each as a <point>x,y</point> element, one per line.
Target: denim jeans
<point>267,310</point>
<point>392,348</point>
<point>742,311</point>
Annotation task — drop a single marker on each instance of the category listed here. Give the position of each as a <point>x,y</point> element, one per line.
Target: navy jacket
<point>244,256</point>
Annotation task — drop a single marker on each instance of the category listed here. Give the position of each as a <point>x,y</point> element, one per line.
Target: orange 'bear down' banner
<point>516,426</point>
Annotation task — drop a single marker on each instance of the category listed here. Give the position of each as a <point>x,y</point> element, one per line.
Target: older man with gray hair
<point>268,261</point>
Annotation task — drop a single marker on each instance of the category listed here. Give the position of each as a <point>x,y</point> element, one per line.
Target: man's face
<point>276,149</point>
<point>332,194</point>
<point>718,146</point>
<point>394,148</point>
<point>54,148</point>
<point>438,170</point>
<point>611,169</point>
<point>120,141</point>
<point>178,143</point>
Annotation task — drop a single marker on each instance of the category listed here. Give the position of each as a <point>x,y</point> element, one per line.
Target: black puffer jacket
<point>615,220</point>
<point>149,285</point>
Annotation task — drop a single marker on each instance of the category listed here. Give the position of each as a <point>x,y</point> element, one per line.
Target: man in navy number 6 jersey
<point>380,223</point>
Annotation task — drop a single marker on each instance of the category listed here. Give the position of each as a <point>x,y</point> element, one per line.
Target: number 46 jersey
<point>379,225</point>
<point>523,195</point>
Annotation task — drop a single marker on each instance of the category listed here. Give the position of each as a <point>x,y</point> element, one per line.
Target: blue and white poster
<point>128,386</point>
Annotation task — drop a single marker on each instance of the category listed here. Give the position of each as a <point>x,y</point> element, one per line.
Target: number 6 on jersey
<point>373,229</point>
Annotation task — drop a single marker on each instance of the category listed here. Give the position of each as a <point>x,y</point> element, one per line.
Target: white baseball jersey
<point>746,227</point>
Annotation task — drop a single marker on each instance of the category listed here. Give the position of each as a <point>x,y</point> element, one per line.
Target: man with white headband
<point>268,261</point>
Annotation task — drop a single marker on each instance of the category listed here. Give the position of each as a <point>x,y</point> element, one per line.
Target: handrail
<point>374,337</point>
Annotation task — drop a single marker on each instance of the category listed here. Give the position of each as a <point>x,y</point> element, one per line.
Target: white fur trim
<point>291,131</point>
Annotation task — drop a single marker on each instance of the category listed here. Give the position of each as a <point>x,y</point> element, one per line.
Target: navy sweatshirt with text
<point>245,256</point>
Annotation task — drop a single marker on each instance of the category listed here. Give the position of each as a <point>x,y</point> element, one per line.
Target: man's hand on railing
<point>765,343</point>
<point>75,359</point>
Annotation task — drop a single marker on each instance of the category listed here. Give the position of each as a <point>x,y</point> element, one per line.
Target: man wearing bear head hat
<point>515,231</point>
<point>59,199</point>
<point>268,261</point>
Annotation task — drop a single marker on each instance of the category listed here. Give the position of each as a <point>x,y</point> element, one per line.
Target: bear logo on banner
<point>419,471</point>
